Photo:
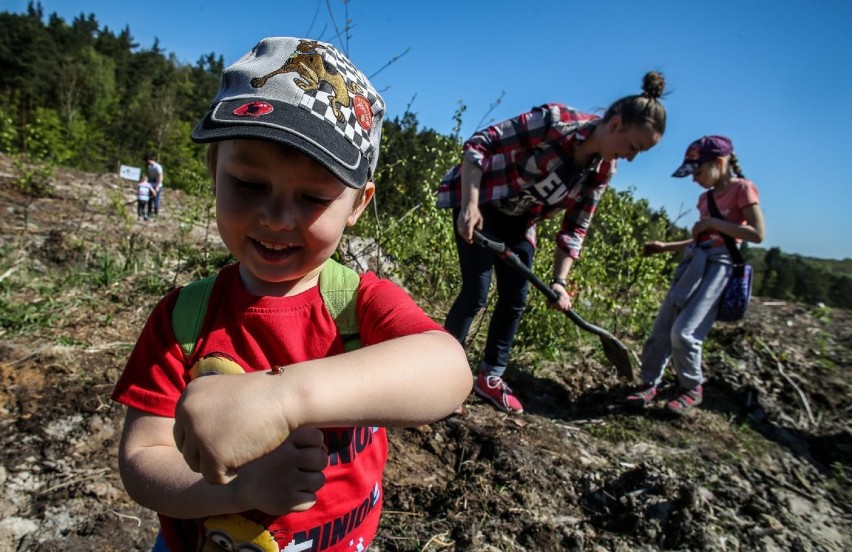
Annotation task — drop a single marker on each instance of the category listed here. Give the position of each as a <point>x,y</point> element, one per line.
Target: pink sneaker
<point>643,397</point>
<point>498,393</point>
<point>685,400</point>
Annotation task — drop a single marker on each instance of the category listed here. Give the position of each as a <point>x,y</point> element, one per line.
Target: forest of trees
<point>793,277</point>
<point>84,96</point>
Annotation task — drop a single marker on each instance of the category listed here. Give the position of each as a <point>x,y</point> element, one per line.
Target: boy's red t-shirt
<point>258,333</point>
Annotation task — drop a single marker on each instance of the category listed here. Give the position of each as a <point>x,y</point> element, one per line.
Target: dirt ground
<point>764,464</point>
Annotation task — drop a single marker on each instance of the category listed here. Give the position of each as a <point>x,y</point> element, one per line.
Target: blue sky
<point>774,76</point>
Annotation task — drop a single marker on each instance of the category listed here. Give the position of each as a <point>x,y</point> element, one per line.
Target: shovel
<point>614,349</point>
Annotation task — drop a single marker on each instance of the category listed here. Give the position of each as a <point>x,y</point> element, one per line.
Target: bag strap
<point>736,255</point>
<point>338,287</point>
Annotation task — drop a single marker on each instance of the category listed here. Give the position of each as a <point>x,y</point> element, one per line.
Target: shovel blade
<point>619,356</point>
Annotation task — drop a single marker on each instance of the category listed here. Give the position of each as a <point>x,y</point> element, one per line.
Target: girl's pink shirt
<point>738,195</point>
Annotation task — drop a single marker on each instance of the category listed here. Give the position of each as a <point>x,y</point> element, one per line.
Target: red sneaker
<point>643,397</point>
<point>685,400</point>
<point>493,389</point>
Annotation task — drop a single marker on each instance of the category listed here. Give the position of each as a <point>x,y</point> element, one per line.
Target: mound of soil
<point>764,464</point>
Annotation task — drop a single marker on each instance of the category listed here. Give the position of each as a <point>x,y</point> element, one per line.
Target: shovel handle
<point>614,350</point>
<point>500,249</point>
<point>508,256</point>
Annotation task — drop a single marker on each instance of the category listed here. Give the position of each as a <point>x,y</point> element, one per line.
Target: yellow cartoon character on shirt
<point>215,363</point>
<point>234,533</point>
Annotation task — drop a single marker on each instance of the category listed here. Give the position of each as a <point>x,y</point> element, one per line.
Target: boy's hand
<point>287,479</point>
<point>223,422</point>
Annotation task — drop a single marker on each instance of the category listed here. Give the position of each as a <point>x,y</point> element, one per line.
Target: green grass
<point>25,317</point>
<point>620,429</point>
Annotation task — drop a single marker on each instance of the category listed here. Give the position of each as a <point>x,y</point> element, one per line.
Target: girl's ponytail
<point>735,166</point>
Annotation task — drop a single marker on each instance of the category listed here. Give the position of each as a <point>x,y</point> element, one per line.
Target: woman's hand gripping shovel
<point>614,349</point>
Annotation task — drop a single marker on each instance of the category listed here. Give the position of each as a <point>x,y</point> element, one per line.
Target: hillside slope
<point>764,465</point>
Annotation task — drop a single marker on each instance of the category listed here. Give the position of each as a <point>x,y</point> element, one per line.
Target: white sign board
<point>130,173</point>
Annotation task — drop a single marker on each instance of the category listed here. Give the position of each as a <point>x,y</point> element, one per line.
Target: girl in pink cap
<point>689,308</point>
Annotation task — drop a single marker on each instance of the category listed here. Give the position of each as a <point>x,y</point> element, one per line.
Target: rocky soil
<point>764,464</point>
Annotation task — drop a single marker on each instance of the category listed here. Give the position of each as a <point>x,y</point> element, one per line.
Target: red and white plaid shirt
<point>528,169</point>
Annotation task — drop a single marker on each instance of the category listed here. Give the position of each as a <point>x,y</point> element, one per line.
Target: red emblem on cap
<point>363,112</point>
<point>254,109</point>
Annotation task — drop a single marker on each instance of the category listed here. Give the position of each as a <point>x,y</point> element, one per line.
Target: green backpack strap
<point>339,289</point>
<point>189,311</point>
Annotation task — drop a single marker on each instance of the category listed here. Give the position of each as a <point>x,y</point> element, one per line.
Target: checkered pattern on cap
<point>319,105</point>
<point>305,94</point>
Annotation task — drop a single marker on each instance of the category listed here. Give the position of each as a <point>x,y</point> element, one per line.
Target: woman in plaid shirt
<point>518,172</point>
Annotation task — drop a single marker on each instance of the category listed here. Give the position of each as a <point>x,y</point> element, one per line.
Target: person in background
<point>514,174</point>
<point>155,179</point>
<point>286,452</point>
<point>689,308</point>
<point>143,196</point>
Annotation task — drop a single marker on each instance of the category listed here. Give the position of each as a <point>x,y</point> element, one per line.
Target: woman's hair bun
<point>653,85</point>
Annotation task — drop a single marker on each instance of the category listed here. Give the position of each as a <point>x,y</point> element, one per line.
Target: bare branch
<point>410,103</point>
<point>682,212</point>
<point>393,60</point>
<point>780,366</point>
<point>348,26</point>
<point>314,20</point>
<point>336,29</point>
<point>496,102</point>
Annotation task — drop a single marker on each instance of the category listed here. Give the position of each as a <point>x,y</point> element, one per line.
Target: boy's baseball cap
<point>305,94</point>
<point>706,148</point>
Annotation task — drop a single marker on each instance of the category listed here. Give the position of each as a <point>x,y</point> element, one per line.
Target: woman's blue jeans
<point>477,265</point>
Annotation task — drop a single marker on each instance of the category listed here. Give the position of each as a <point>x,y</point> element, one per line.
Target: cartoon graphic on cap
<point>304,94</point>
<point>314,70</point>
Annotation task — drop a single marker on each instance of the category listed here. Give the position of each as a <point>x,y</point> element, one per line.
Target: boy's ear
<point>364,197</point>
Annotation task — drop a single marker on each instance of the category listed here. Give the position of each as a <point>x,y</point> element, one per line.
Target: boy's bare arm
<point>225,422</point>
<point>156,476</point>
